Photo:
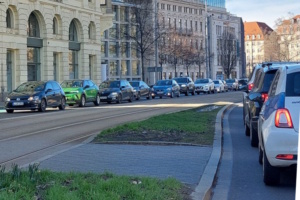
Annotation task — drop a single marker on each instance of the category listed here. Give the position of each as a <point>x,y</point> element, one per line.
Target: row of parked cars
<point>271,107</point>
<point>38,95</point>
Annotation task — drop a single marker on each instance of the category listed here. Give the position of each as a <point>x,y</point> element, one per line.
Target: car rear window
<point>293,84</point>
<point>269,76</point>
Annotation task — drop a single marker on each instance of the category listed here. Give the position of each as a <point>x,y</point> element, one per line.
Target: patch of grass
<point>188,126</point>
<point>73,186</point>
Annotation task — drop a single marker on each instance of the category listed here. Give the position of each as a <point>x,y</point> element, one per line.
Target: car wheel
<point>172,94</point>
<point>187,92</point>
<point>149,96</point>
<point>119,100</point>
<point>178,95</point>
<point>131,98</point>
<point>109,102</point>
<point>153,97</point>
<point>247,130</point>
<point>43,105</point>
<point>271,174</point>
<point>62,105</point>
<point>97,102</point>
<point>193,93</point>
<point>198,93</point>
<point>9,111</point>
<point>82,101</point>
<point>260,156</point>
<point>253,136</point>
<point>138,97</point>
<point>160,97</point>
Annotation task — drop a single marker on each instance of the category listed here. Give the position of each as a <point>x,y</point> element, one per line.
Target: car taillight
<point>283,119</point>
<point>264,97</point>
<point>250,86</point>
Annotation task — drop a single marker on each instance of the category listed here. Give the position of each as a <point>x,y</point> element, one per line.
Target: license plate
<point>103,97</point>
<point>160,92</point>
<point>18,103</point>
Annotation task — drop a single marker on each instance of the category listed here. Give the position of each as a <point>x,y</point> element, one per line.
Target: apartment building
<point>255,34</point>
<point>51,40</point>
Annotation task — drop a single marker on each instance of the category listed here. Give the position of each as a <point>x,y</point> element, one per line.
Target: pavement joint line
<point>203,190</point>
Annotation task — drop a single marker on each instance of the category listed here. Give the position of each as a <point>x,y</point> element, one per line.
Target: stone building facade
<point>51,40</point>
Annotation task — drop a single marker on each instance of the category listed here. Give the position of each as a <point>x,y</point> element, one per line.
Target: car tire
<point>260,156</point>
<point>198,93</point>
<point>119,100</point>
<point>82,101</point>
<point>193,92</point>
<point>160,97</point>
<point>247,130</point>
<point>172,95</point>
<point>149,96</point>
<point>178,95</point>
<point>153,97</point>
<point>9,111</point>
<point>253,136</point>
<point>97,102</point>
<point>187,92</point>
<point>271,174</point>
<point>131,98</point>
<point>62,105</point>
<point>138,96</point>
<point>43,105</point>
<point>109,102</point>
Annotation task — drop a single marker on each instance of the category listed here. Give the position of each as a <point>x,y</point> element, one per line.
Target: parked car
<point>232,84</point>
<point>116,91</point>
<point>80,92</point>
<point>36,95</point>
<point>167,88</point>
<point>186,85</point>
<point>225,85</point>
<point>243,84</point>
<point>255,99</point>
<point>142,89</point>
<point>219,86</point>
<point>278,126</point>
<point>152,91</point>
<point>204,85</point>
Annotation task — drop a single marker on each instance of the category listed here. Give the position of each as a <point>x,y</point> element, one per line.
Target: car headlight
<point>183,85</point>
<point>169,89</point>
<point>114,94</point>
<point>34,98</point>
<point>7,99</point>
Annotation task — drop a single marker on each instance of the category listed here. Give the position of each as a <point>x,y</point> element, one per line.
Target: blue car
<point>167,88</point>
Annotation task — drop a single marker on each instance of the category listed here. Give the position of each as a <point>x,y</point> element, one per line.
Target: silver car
<point>205,86</point>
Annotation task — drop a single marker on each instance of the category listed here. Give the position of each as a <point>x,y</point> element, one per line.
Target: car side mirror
<point>87,86</point>
<point>255,96</point>
<point>122,87</point>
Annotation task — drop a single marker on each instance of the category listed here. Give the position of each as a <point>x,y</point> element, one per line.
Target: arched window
<point>9,18</point>
<point>33,29</point>
<point>73,32</point>
<point>55,26</point>
<point>92,30</point>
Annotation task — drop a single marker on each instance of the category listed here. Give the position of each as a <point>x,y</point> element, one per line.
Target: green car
<point>81,91</point>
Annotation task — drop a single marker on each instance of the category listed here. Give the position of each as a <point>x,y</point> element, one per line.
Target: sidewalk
<point>192,165</point>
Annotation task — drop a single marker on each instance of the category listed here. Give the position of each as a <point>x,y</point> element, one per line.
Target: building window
<point>174,8</point>
<point>113,49</point>
<point>113,32</point>
<point>73,32</point>
<point>196,26</point>
<point>179,9</point>
<point>124,14</point>
<point>113,68</point>
<point>33,64</point>
<point>168,7</point>
<point>125,67</point>
<point>92,31</point>
<point>162,6</point>
<point>55,26</point>
<point>55,66</point>
<point>195,11</point>
<point>103,49</point>
<point>33,29</point>
<point>135,68</point>
<point>124,49</point>
<point>73,64</point>
<point>9,19</point>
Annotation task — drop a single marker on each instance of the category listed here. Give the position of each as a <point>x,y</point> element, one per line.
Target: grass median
<point>194,126</point>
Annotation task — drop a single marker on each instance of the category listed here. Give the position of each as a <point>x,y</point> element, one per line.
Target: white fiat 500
<point>278,124</point>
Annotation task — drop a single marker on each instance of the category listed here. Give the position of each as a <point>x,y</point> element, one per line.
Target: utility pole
<point>156,43</point>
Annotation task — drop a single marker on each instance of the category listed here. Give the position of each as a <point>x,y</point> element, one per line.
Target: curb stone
<point>203,190</point>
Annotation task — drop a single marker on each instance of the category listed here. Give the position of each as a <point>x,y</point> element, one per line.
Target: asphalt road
<point>240,176</point>
<point>27,136</point>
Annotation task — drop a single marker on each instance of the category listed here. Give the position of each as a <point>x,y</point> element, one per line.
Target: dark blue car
<point>167,88</point>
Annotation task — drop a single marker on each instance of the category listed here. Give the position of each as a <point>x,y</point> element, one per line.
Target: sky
<point>267,11</point>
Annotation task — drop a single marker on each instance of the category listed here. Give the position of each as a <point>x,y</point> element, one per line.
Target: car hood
<point>14,95</point>
<point>110,90</point>
<point>162,87</point>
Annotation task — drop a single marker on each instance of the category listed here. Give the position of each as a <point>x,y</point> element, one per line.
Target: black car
<point>36,95</point>
<point>253,101</point>
<point>141,89</point>
<point>243,84</point>
<point>186,85</point>
<point>116,91</point>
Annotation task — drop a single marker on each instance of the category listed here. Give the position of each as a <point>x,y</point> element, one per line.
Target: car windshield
<point>72,83</point>
<point>111,84</point>
<point>230,81</point>
<point>268,80</point>
<point>202,81</point>
<point>31,87</point>
<point>134,84</point>
<point>216,82</point>
<point>165,82</point>
<point>243,82</point>
<point>180,80</point>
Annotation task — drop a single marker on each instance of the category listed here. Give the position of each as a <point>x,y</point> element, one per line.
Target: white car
<point>278,124</point>
<point>204,85</point>
<point>219,86</point>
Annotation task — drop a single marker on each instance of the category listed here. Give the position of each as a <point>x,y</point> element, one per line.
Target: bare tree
<point>227,49</point>
<point>144,33</point>
<point>271,46</point>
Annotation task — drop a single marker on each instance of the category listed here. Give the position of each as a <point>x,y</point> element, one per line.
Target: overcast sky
<point>263,10</point>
